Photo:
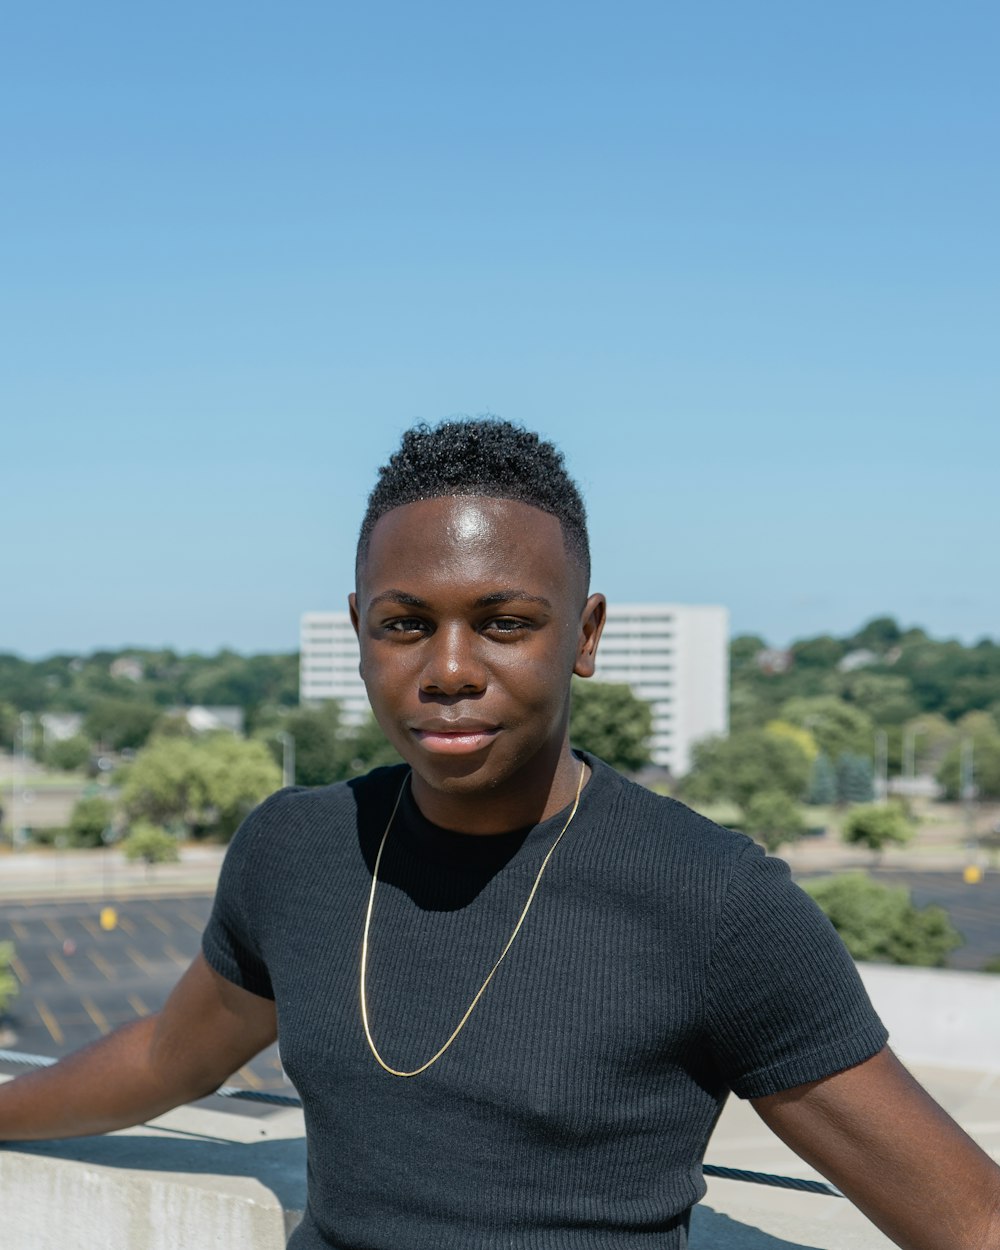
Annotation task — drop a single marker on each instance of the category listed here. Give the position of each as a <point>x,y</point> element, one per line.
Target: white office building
<point>328,664</point>
<point>675,656</point>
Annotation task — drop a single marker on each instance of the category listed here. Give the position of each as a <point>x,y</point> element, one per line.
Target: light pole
<point>910,737</point>
<point>881,765</point>
<point>287,757</point>
<point>967,786</point>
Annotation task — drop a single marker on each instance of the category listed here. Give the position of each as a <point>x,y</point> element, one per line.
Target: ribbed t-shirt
<point>665,961</point>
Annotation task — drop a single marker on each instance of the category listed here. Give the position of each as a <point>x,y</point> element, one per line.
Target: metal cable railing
<point>286,1100</point>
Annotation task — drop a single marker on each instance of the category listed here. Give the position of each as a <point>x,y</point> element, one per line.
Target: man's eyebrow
<point>398,596</point>
<point>511,596</point>
<point>485,601</point>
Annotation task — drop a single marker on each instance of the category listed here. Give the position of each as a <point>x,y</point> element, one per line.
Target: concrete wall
<point>200,1179</point>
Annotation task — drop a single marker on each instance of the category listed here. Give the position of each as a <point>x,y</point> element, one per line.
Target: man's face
<point>472,619</point>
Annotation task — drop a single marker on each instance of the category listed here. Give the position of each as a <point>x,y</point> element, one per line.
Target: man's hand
<point>888,1146</point>
<point>207,1030</point>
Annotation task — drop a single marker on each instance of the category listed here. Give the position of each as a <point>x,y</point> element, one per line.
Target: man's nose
<point>453,663</point>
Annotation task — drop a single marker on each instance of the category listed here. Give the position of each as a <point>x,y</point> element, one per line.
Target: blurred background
<point>739,262</point>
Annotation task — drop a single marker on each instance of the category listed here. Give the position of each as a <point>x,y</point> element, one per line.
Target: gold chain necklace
<point>510,941</point>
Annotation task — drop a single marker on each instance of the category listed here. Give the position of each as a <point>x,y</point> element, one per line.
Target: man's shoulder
<point>668,831</point>
<point>298,814</point>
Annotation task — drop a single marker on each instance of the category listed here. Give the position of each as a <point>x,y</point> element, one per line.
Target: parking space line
<point>89,925</point>
<point>193,921</point>
<point>102,965</point>
<point>95,1013</point>
<point>164,926</point>
<point>140,960</point>
<point>20,971</point>
<point>127,925</point>
<point>20,931</point>
<point>50,1022</point>
<point>56,929</point>
<point>251,1078</point>
<point>61,967</point>
<point>137,1005</point>
<point>179,959</point>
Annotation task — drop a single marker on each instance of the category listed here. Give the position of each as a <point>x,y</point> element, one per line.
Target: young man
<point>513,988</point>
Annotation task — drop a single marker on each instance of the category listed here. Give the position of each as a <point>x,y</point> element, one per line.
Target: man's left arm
<point>888,1146</point>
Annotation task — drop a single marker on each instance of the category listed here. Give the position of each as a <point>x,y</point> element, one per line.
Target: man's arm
<point>888,1146</point>
<point>207,1029</point>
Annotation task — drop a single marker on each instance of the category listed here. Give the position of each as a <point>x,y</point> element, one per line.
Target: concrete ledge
<point>191,1180</point>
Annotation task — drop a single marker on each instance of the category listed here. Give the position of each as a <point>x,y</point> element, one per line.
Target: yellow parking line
<point>89,925</point>
<point>19,930</point>
<point>127,925</point>
<point>193,921</point>
<point>20,971</point>
<point>61,967</point>
<point>137,1005</point>
<point>95,1013</point>
<point>141,960</point>
<point>163,925</point>
<point>56,929</point>
<point>175,955</point>
<point>102,965</point>
<point>50,1022</point>
<point>251,1078</point>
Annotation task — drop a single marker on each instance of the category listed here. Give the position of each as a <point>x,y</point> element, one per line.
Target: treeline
<point>124,695</point>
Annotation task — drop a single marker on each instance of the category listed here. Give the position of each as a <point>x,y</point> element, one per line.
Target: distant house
<point>128,667</point>
<point>861,658</point>
<point>59,726</point>
<point>211,719</point>
<point>772,660</point>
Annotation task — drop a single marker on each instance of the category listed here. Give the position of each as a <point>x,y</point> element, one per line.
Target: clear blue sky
<point>741,261</point>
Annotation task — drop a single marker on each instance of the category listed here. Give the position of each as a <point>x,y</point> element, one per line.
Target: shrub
<point>8,983</point>
<point>151,843</point>
<point>879,923</point>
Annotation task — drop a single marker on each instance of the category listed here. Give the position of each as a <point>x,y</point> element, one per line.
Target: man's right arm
<point>207,1029</point>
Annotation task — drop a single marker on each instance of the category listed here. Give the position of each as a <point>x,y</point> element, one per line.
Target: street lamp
<point>881,765</point>
<point>287,757</point>
<point>910,737</point>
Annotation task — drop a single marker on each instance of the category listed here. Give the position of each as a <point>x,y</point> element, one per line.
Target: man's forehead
<point>468,530</point>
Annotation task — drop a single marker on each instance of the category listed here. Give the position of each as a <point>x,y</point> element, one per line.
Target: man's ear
<point>591,627</point>
<point>352,607</point>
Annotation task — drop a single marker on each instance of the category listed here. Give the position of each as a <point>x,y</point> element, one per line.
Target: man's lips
<point>458,737</point>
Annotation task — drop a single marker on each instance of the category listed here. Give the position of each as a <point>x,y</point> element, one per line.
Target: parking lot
<point>79,980</point>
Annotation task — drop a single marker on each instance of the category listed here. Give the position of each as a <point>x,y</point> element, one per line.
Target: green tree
<point>878,635</point>
<point>880,923</point>
<point>204,786</point>
<point>322,745</point>
<point>151,844</point>
<point>608,720</point>
<point>370,748</point>
<point>885,697</point>
<point>745,764</point>
<point>822,782</point>
<point>773,818</point>
<point>121,723</point>
<point>88,820</point>
<point>837,727</point>
<point>981,729</point>
<point>69,754</point>
<point>877,826</point>
<point>855,779</point>
<point>8,984</point>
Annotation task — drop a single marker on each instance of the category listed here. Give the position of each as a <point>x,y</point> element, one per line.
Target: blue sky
<point>740,261</point>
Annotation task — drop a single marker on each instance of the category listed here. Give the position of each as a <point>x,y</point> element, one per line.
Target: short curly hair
<point>484,456</point>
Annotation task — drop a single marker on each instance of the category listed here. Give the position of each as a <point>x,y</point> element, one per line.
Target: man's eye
<point>405,625</point>
<point>507,625</point>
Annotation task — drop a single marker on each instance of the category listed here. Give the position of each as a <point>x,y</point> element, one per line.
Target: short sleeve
<point>785,1002</point>
<point>231,942</point>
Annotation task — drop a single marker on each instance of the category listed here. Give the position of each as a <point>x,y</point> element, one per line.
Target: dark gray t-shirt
<point>664,962</point>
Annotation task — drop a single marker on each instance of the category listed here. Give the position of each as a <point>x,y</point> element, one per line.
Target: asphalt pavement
<point>79,980</point>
